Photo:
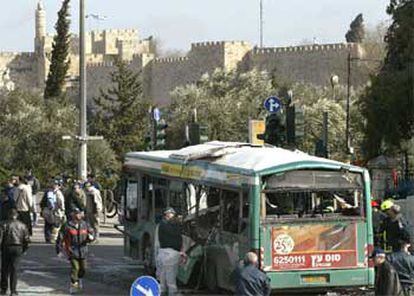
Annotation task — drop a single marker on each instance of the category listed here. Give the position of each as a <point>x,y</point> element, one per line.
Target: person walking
<point>73,242</point>
<point>24,202</point>
<point>76,198</point>
<point>169,251</point>
<point>403,263</point>
<point>91,179</point>
<point>250,280</point>
<point>93,207</point>
<point>53,211</point>
<point>14,237</point>
<point>386,277</point>
<point>7,200</point>
<point>34,184</point>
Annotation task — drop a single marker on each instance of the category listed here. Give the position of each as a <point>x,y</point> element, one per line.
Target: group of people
<point>71,215</point>
<point>58,203</point>
<point>392,254</point>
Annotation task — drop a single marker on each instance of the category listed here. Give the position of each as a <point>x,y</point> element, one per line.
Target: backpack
<point>51,200</point>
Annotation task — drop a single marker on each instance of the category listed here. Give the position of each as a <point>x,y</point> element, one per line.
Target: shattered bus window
<point>313,196</point>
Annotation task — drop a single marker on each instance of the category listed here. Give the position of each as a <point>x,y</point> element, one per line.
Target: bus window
<point>310,204</point>
<point>230,211</point>
<point>308,194</point>
<point>131,193</point>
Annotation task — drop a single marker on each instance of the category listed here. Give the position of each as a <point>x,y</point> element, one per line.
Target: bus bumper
<point>322,279</point>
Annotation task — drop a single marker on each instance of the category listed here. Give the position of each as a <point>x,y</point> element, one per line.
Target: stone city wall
<point>313,64</point>
<point>18,70</point>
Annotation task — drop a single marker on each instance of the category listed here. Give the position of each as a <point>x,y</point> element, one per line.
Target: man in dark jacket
<point>169,243</point>
<point>76,198</point>
<point>403,263</point>
<point>7,200</point>
<point>250,280</point>
<point>386,278</point>
<point>14,237</point>
<point>73,239</point>
<point>393,227</point>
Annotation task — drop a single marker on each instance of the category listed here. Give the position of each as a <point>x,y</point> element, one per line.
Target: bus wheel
<point>147,254</point>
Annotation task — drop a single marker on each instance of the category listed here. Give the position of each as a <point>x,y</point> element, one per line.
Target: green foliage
<point>224,102</point>
<point>357,31</point>
<point>122,112</point>
<point>60,49</point>
<point>31,133</point>
<point>388,104</point>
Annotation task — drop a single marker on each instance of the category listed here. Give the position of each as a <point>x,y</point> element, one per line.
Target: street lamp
<point>350,150</point>
<point>334,83</point>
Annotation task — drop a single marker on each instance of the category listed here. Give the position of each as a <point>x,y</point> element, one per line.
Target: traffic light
<point>320,148</point>
<point>160,134</point>
<point>275,133</point>
<point>148,141</point>
<point>290,126</point>
<point>299,125</point>
<point>198,133</point>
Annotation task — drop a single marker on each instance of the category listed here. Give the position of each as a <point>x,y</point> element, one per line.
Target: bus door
<point>232,240</point>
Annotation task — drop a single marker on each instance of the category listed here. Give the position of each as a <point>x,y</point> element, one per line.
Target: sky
<point>178,23</point>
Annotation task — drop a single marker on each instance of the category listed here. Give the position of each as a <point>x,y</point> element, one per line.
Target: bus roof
<point>240,158</point>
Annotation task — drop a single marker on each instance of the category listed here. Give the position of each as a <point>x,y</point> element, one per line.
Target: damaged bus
<point>308,218</point>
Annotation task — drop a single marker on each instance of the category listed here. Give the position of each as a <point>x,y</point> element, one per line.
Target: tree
<point>60,49</point>
<point>356,33</point>
<point>31,133</point>
<point>224,100</point>
<point>388,104</point>
<point>121,114</point>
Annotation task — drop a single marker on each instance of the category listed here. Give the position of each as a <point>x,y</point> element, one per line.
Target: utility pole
<point>82,166</point>
<point>348,98</point>
<point>261,23</point>
<point>83,137</point>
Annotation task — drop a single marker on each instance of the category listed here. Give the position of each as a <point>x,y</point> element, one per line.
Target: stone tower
<point>40,38</point>
<point>40,27</point>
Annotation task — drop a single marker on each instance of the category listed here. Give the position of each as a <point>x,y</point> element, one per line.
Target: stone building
<point>313,64</point>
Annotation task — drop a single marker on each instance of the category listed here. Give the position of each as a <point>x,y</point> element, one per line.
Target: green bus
<point>308,218</point>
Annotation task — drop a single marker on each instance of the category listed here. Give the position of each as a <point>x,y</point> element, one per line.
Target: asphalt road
<point>44,273</point>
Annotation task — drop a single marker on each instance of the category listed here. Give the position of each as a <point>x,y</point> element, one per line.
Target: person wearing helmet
<point>378,217</point>
<point>394,227</point>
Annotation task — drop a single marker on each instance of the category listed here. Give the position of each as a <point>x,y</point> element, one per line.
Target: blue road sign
<point>145,286</point>
<point>273,104</point>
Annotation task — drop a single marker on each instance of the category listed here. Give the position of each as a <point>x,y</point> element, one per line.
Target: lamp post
<point>83,137</point>
<point>349,148</point>
<point>334,83</point>
<point>82,166</point>
<point>261,22</point>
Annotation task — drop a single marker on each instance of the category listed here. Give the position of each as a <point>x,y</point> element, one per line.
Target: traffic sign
<point>273,104</point>
<point>145,286</point>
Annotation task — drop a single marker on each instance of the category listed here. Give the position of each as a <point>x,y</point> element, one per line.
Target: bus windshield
<point>313,194</point>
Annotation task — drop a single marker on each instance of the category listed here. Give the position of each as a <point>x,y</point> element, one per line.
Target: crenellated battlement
<point>215,44</point>
<point>142,55</point>
<point>100,64</point>
<point>306,48</point>
<point>9,54</point>
<point>170,60</point>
